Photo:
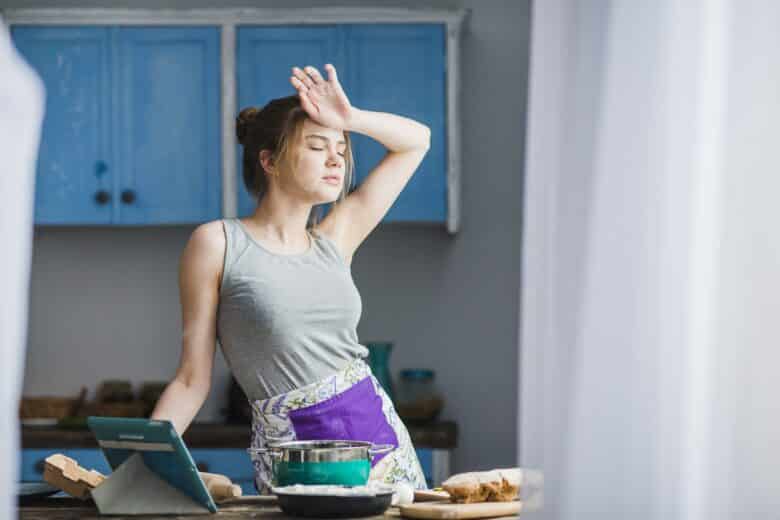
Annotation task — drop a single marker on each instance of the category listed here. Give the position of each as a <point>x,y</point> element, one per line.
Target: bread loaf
<point>498,485</point>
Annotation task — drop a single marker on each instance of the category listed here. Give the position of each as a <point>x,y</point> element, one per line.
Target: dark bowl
<point>329,506</point>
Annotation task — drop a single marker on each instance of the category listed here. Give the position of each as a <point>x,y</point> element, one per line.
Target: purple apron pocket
<point>353,415</point>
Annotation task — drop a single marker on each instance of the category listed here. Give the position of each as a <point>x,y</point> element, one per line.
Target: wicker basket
<point>46,407</point>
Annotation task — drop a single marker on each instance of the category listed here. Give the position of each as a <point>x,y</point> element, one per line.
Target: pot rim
<point>323,446</point>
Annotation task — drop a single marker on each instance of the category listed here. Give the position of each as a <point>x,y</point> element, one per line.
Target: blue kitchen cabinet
<point>75,177</point>
<point>32,461</point>
<point>398,68</point>
<point>168,125</point>
<point>232,462</point>
<point>132,127</point>
<point>424,455</point>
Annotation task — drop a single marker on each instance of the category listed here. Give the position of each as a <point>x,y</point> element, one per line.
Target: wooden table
<point>245,507</point>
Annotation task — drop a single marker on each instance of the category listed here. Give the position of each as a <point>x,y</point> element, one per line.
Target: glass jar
<point>417,397</point>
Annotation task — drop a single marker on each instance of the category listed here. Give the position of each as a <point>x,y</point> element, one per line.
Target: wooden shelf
<point>438,435</point>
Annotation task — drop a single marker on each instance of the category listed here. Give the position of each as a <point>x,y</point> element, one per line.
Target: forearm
<point>179,403</point>
<point>396,133</point>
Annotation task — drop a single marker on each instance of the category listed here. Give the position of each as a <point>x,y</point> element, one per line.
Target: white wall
<point>104,302</point>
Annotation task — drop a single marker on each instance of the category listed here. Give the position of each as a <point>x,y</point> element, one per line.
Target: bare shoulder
<point>205,250</point>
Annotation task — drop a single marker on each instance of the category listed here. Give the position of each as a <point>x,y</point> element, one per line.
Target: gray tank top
<point>285,321</point>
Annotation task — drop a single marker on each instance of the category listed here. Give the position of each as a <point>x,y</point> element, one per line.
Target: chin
<point>328,198</point>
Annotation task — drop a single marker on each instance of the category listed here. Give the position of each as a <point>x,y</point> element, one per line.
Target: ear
<point>266,161</point>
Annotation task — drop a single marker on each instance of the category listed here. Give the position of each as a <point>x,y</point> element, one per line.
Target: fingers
<point>314,74</point>
<point>306,103</point>
<point>303,77</point>
<point>298,84</point>
<point>331,70</point>
<point>311,77</point>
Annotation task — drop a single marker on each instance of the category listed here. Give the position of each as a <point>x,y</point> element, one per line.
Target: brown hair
<point>277,127</point>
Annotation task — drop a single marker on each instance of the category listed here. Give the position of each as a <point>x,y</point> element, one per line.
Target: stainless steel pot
<point>334,462</point>
<point>323,450</point>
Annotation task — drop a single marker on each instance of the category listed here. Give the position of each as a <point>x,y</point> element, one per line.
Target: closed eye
<point>321,149</point>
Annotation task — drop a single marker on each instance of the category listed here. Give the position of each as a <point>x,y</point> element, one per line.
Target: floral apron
<point>350,405</point>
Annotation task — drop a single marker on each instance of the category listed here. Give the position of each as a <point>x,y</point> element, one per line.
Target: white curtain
<point>21,113</point>
<point>650,321</point>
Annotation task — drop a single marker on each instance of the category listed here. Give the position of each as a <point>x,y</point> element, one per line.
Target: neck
<point>282,220</point>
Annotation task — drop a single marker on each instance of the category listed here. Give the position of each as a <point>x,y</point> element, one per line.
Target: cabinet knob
<point>128,196</point>
<point>102,197</point>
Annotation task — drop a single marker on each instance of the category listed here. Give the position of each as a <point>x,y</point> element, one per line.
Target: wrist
<point>355,120</point>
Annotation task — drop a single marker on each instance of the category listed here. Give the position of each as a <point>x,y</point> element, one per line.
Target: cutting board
<point>436,510</point>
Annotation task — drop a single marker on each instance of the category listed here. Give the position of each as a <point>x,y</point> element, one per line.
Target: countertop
<point>244,507</point>
<point>441,435</point>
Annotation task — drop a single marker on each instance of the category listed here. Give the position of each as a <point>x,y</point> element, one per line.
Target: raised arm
<point>350,221</point>
<point>200,271</point>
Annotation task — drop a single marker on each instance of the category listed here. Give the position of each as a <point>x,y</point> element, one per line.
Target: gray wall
<point>104,302</point>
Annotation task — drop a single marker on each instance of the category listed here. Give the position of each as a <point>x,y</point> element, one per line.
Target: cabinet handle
<point>102,197</point>
<point>202,466</point>
<point>128,196</point>
<point>40,466</point>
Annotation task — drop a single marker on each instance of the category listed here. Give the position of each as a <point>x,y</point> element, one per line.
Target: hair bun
<point>245,118</point>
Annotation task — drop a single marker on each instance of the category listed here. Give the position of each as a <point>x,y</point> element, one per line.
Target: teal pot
<point>321,462</point>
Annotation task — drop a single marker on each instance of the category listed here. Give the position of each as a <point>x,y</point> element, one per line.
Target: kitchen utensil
<point>332,506</point>
<point>335,462</point>
<point>435,510</point>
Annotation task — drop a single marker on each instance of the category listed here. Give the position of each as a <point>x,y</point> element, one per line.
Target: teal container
<point>345,473</point>
<point>379,361</point>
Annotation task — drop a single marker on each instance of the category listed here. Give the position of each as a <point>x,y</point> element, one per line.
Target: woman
<point>276,289</point>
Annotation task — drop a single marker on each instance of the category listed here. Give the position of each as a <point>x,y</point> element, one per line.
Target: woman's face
<point>318,174</point>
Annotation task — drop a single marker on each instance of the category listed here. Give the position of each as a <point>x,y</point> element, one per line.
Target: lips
<point>332,179</point>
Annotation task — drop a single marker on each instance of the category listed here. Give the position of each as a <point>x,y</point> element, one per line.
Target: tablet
<point>161,448</point>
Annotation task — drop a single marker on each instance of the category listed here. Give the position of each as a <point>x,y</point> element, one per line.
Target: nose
<point>334,158</point>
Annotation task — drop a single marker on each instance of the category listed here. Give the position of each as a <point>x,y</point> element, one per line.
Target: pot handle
<point>271,451</point>
<point>378,449</point>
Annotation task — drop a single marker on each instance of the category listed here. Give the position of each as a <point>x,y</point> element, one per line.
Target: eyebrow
<point>317,136</point>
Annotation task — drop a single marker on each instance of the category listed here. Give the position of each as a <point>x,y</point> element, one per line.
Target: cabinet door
<point>231,462</point>
<point>168,125</point>
<point>74,159</point>
<point>265,57</point>
<point>401,69</point>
